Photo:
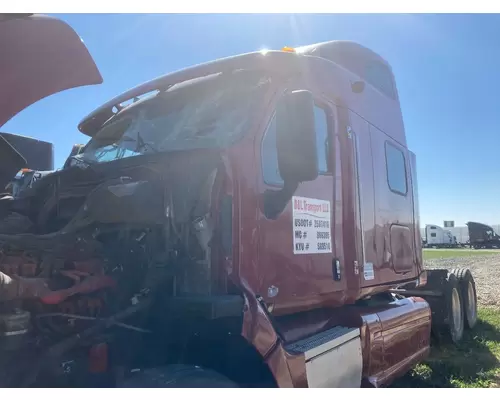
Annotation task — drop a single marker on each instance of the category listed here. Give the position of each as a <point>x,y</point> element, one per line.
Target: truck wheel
<point>469,295</point>
<point>177,376</point>
<point>453,328</point>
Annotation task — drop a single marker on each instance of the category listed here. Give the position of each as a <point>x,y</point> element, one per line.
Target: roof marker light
<point>288,49</point>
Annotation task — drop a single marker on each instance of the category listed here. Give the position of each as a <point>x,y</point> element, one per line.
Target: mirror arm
<point>275,201</point>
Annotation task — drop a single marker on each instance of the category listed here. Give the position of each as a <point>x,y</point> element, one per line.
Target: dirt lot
<point>485,268</point>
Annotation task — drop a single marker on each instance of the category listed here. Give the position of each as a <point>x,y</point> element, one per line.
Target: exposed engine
<point>96,246</point>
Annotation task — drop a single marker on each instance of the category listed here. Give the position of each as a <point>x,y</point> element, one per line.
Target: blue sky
<point>446,69</point>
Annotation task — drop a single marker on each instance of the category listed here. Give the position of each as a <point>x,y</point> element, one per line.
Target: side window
<point>380,76</point>
<point>396,169</point>
<point>433,235</point>
<point>270,156</point>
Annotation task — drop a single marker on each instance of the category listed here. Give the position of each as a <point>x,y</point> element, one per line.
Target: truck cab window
<point>269,153</point>
<point>396,169</point>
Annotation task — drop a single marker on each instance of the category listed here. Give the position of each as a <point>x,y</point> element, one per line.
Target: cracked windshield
<point>207,112</point>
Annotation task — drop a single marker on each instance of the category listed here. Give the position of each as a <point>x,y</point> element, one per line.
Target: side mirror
<point>296,137</point>
<point>77,148</point>
<point>297,150</point>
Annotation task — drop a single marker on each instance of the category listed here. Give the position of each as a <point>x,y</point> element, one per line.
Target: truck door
<point>394,214</point>
<point>383,204</point>
<point>299,258</point>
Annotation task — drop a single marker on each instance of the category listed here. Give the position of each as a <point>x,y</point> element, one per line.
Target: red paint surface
<point>370,223</point>
<point>40,56</point>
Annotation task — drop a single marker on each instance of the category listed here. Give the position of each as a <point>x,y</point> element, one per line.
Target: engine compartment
<point>97,244</point>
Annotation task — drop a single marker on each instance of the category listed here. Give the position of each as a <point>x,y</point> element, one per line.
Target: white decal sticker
<point>311,226</point>
<point>368,272</point>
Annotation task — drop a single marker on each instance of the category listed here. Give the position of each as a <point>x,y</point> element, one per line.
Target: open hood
<point>40,56</point>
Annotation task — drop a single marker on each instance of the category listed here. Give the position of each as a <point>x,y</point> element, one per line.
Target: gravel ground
<point>485,270</point>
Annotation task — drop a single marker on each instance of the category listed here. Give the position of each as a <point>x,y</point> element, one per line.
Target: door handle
<point>336,270</point>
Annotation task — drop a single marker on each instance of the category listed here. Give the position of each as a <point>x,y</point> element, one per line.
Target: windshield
<point>209,113</point>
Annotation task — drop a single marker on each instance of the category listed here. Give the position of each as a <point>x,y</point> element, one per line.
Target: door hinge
<point>349,132</point>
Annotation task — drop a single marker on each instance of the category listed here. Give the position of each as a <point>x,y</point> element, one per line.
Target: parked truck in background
<point>437,237</point>
<point>36,167</point>
<point>252,221</point>
<point>482,236</point>
<point>39,156</point>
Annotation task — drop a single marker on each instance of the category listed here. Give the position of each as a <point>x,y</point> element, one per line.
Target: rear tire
<point>453,328</point>
<point>177,376</point>
<point>469,296</point>
<point>447,308</point>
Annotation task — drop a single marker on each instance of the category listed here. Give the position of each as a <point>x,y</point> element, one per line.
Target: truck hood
<point>40,56</point>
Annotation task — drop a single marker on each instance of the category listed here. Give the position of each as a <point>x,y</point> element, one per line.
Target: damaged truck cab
<point>248,222</point>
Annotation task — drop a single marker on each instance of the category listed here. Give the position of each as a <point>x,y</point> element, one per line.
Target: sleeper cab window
<point>380,76</point>
<point>270,169</point>
<point>396,169</point>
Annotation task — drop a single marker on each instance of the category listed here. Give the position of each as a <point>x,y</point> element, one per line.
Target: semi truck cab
<point>317,203</point>
<point>252,221</point>
<point>438,237</point>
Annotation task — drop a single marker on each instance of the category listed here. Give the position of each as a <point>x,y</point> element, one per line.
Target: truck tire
<point>177,376</point>
<point>469,296</point>
<point>451,329</point>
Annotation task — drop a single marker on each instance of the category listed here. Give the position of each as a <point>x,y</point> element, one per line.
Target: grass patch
<point>455,253</point>
<point>475,362</point>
